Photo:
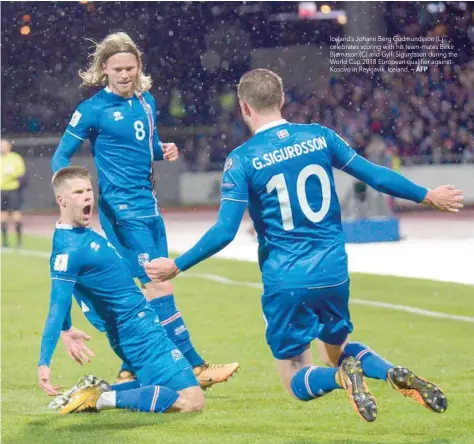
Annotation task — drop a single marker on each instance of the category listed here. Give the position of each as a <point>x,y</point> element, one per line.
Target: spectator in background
<point>12,171</point>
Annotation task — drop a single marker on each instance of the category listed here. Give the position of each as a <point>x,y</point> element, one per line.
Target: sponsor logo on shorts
<point>143,258</point>
<point>228,185</point>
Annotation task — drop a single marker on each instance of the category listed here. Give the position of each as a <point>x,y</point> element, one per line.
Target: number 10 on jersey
<point>278,182</point>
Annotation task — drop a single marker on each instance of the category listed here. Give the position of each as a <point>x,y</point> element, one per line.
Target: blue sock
<point>152,398</point>
<point>373,365</point>
<point>313,382</point>
<point>172,321</point>
<point>126,385</point>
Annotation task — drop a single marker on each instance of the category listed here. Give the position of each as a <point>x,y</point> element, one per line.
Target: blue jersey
<point>124,143</point>
<point>100,280</point>
<point>285,173</point>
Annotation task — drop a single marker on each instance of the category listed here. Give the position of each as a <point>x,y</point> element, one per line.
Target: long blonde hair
<point>111,45</point>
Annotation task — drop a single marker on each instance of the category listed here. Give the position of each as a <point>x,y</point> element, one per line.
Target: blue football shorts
<point>136,240</point>
<point>145,348</point>
<point>295,317</point>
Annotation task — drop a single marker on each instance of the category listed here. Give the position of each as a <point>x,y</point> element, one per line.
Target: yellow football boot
<point>82,397</point>
<point>210,374</point>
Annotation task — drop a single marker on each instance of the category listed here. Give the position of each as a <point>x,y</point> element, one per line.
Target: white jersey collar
<point>61,226</point>
<point>271,125</point>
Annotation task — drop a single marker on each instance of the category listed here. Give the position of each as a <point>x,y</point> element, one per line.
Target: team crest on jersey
<point>147,108</point>
<point>75,119</point>
<point>142,258</point>
<point>60,263</point>
<point>95,246</point>
<point>118,116</point>
<point>228,164</point>
<point>282,134</point>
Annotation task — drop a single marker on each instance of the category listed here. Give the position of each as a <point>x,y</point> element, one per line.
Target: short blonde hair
<point>70,172</point>
<point>111,45</point>
<point>262,89</point>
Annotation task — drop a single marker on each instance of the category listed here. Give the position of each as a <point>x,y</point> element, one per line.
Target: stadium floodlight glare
<point>436,8</point>
<point>342,19</point>
<point>307,10</point>
<point>325,9</point>
<point>318,15</point>
<point>25,30</point>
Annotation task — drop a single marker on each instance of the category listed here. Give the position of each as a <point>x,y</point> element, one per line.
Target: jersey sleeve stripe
<point>234,200</point>
<point>72,134</point>
<point>350,160</point>
<point>61,279</point>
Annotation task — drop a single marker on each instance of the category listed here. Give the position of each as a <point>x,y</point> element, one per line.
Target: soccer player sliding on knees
<point>284,174</point>
<point>86,265</point>
<point>120,122</point>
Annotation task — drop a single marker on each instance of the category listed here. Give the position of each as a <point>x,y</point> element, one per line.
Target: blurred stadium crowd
<point>422,117</point>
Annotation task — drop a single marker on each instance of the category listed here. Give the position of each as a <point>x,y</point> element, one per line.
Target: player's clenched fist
<point>161,269</point>
<point>170,152</point>
<point>445,198</point>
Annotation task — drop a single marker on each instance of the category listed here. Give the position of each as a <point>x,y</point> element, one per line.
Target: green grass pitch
<point>227,325</point>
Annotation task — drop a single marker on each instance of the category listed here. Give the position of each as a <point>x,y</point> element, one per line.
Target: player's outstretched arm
<point>385,180</point>
<point>445,198</point>
<point>216,238</point>
<point>61,300</point>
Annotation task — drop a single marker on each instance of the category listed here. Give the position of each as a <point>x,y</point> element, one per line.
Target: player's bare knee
<point>193,399</point>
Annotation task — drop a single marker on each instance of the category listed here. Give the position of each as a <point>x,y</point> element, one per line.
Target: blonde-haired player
<point>120,122</point>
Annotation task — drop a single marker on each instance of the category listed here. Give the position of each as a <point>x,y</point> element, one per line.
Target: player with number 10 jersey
<point>292,196</point>
<point>284,174</point>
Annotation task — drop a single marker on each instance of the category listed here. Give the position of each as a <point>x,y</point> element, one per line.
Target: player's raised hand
<point>445,198</point>
<point>170,152</point>
<point>76,348</point>
<point>44,380</point>
<point>161,269</point>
